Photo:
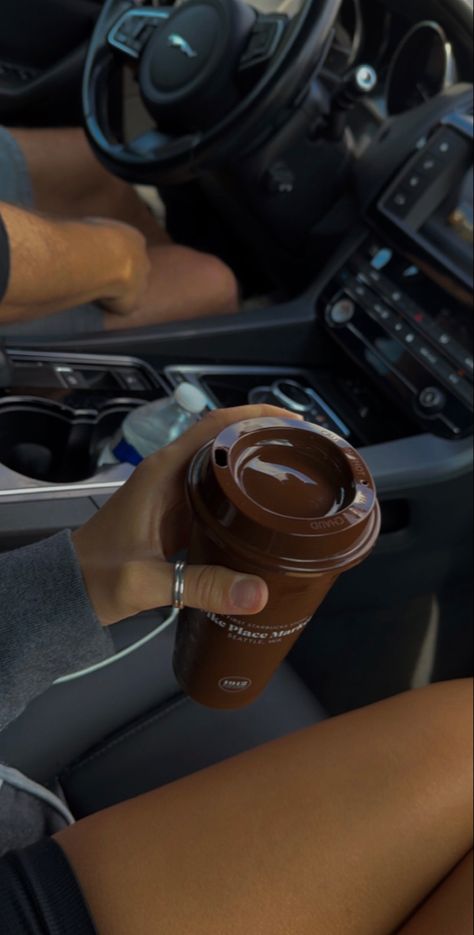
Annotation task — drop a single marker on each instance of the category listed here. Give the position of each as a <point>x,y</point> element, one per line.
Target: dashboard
<point>401,303</point>
<point>415,54</point>
<point>388,34</point>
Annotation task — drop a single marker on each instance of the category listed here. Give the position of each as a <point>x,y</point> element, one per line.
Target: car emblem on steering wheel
<point>177,42</point>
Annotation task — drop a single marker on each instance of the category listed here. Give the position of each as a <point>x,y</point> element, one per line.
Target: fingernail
<point>246,593</point>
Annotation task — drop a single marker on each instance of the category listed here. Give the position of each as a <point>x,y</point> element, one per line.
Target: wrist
<point>112,262</point>
<point>123,256</point>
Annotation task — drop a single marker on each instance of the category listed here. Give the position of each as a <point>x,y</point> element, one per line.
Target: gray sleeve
<point>47,625</point>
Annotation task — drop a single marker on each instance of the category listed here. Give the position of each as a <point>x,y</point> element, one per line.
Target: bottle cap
<point>191,398</point>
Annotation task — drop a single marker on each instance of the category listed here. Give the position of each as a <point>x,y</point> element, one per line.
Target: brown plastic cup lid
<point>287,492</point>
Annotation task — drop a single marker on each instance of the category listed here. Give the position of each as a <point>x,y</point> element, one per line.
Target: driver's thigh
<point>183,284</point>
<point>64,171</point>
<point>69,181</point>
<point>339,830</point>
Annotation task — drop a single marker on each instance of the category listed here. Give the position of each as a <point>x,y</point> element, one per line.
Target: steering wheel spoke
<point>130,34</point>
<point>264,41</point>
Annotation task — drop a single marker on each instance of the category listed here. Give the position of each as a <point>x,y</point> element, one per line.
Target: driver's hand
<point>124,550</point>
<point>132,266</point>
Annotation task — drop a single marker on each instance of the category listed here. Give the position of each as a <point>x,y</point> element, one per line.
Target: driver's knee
<point>184,284</point>
<point>191,283</point>
<point>217,290</point>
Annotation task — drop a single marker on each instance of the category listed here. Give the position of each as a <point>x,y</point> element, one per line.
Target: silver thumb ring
<point>178,585</point>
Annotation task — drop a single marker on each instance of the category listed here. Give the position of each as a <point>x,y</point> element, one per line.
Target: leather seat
<point>181,737</point>
<point>77,731</point>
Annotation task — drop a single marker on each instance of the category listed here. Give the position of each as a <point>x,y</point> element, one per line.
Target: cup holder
<point>46,442</point>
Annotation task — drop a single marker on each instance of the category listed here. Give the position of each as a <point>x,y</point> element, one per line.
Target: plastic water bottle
<point>155,425</point>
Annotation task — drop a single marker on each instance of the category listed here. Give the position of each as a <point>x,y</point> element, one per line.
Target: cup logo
<point>234,685</point>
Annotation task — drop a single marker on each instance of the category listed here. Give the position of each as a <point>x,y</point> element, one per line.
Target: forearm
<point>57,264</point>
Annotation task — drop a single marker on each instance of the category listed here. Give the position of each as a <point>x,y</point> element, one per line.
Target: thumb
<point>221,591</point>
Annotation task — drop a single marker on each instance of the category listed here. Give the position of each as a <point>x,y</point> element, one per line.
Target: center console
<point>56,414</point>
<point>401,303</point>
<point>59,410</point>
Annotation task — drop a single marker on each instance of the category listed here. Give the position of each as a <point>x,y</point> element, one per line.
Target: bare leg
<point>449,909</point>
<point>69,181</point>
<point>340,830</point>
<point>183,284</point>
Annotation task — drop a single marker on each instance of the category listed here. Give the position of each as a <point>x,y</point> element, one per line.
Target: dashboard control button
<point>382,312</point>
<point>446,144</point>
<point>374,275</point>
<point>432,398</point>
<point>416,183</point>
<point>445,339</point>
<point>132,381</point>
<point>455,381</point>
<point>342,312</point>
<point>409,309</point>
<point>427,354</point>
<point>400,203</point>
<point>400,199</point>
<point>428,165</point>
<point>397,297</point>
<point>71,378</point>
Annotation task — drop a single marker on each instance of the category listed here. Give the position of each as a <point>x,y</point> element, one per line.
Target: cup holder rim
<point>63,412</point>
<point>69,439</point>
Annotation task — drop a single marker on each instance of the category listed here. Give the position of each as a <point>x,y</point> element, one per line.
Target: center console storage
<point>58,412</point>
<point>50,442</point>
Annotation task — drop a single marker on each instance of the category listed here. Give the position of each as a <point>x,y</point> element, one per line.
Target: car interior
<point>323,149</point>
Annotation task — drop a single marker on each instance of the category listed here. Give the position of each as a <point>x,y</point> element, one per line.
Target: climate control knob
<point>432,399</point>
<point>342,312</point>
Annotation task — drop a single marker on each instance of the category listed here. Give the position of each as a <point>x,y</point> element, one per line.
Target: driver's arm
<point>52,264</point>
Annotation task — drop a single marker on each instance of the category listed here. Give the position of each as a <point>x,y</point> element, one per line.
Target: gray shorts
<point>16,188</point>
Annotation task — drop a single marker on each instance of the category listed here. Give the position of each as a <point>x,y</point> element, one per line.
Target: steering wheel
<point>213,75</point>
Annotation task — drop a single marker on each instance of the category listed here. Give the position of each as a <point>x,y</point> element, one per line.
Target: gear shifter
<point>6,370</point>
<point>357,84</point>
